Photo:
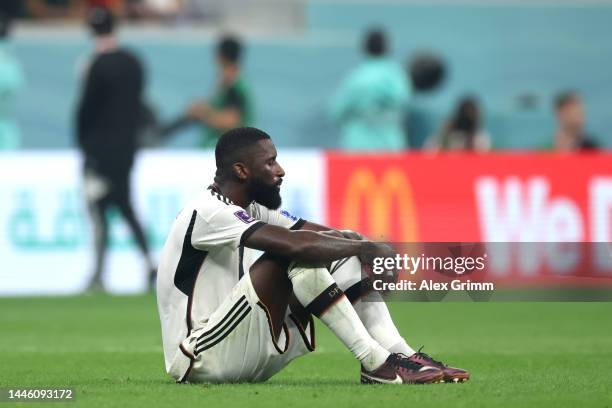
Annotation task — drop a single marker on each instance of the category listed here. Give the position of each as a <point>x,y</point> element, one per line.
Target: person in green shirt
<point>370,104</point>
<point>231,105</point>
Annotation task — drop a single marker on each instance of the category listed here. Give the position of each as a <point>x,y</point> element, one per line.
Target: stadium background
<point>500,51</point>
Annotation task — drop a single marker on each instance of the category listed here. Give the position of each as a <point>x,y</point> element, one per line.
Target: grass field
<point>108,349</point>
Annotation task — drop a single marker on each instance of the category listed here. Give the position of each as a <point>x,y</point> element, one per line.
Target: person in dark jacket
<point>107,124</point>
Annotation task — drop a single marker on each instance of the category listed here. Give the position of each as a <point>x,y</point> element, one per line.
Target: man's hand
<point>371,250</point>
<point>199,111</point>
<point>222,119</point>
<point>349,234</point>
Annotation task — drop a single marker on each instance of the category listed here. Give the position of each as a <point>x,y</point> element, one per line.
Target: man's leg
<point>121,189</point>
<point>376,318</point>
<point>273,287</point>
<point>97,211</point>
<point>316,290</point>
<point>374,313</point>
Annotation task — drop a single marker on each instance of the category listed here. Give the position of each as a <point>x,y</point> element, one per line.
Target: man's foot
<point>451,374</point>
<point>398,369</point>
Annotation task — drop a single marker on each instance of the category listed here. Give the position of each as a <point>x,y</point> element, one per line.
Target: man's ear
<point>240,170</point>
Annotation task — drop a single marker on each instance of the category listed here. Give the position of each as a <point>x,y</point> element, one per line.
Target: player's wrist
<point>366,252</point>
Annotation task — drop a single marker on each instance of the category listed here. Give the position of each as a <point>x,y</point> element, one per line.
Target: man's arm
<point>313,226</point>
<point>228,117</point>
<point>220,119</point>
<point>313,246</point>
<point>93,90</point>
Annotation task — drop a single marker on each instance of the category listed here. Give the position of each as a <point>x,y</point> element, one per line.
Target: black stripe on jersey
<point>205,339</point>
<point>240,260</point>
<point>247,232</point>
<point>227,333</point>
<point>217,195</point>
<point>220,196</point>
<point>239,302</point>
<point>189,263</point>
<point>298,225</point>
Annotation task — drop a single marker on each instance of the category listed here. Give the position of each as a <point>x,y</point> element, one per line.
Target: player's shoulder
<point>213,207</point>
<point>203,206</point>
<point>209,200</point>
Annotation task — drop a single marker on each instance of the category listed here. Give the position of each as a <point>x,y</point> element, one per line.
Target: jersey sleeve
<point>280,217</point>
<point>228,225</point>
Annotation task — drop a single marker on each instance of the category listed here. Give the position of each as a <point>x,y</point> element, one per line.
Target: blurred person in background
<point>107,126</point>
<point>163,10</point>
<point>11,82</point>
<point>70,9</point>
<point>56,9</point>
<point>114,6</point>
<point>372,99</point>
<point>463,130</point>
<point>231,104</point>
<point>570,134</point>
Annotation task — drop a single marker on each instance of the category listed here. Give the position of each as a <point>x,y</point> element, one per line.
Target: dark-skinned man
<point>230,314</point>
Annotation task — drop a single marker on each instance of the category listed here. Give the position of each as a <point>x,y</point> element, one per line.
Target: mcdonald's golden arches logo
<point>377,196</point>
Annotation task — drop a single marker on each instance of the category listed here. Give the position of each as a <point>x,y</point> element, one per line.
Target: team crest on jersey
<point>244,217</point>
<point>289,215</point>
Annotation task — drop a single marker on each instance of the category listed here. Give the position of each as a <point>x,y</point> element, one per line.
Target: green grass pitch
<point>108,348</point>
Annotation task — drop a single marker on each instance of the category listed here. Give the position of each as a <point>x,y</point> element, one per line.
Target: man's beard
<point>265,194</point>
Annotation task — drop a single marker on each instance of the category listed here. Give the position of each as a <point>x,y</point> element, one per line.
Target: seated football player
<point>239,281</point>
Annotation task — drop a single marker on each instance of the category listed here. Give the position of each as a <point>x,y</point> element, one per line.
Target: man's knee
<point>346,270</point>
<point>269,276</point>
<point>348,275</point>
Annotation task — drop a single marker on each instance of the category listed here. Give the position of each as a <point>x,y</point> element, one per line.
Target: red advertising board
<point>464,197</point>
<point>515,197</point>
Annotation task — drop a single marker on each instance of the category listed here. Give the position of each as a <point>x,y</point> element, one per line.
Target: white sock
<point>374,313</point>
<point>375,316</point>
<point>337,313</point>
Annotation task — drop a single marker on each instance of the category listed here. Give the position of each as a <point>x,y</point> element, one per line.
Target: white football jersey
<point>203,259</point>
